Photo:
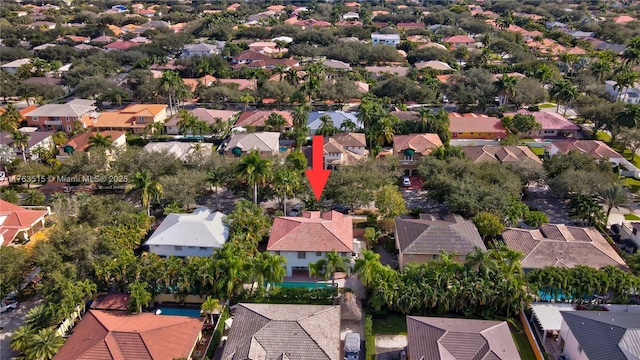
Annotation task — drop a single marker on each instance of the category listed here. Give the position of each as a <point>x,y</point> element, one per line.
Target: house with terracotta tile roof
<point>437,338</point>
<point>111,302</point>
<point>597,150</point>
<point>210,116</point>
<point>18,224</point>
<point>81,142</point>
<point>623,19</point>
<point>308,238</point>
<point>502,154</point>
<point>344,149</point>
<point>233,7</point>
<point>120,45</point>
<point>257,118</point>
<point>422,240</point>
<point>564,246</point>
<point>457,41</point>
<point>111,335</point>
<point>551,124</point>
<point>410,148</point>
<point>475,126</point>
<point>280,331</point>
<point>134,118</point>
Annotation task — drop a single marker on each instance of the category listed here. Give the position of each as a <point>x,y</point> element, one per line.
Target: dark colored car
<point>341,209</point>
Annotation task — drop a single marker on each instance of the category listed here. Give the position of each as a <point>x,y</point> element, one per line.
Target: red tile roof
<point>549,120</point>
<point>17,219</point>
<point>258,117</point>
<point>121,45</point>
<point>108,335</point>
<point>313,231</point>
<point>111,301</point>
<point>459,39</point>
<point>81,142</point>
<point>420,143</point>
<point>465,123</point>
<point>594,148</point>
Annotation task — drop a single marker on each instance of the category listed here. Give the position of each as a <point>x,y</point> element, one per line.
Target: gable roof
<point>339,143</point>
<point>606,335</point>
<point>465,123</point>
<point>111,301</point>
<point>420,143</point>
<point>203,228</point>
<point>501,154</point>
<point>81,141</point>
<point>437,338</point>
<point>277,331</point>
<point>203,114</point>
<point>261,141</point>
<point>549,120</point>
<point>594,148</point>
<point>337,117</point>
<point>35,137</point>
<point>429,235</point>
<point>258,117</point>
<point>459,39</point>
<point>562,246</point>
<point>313,231</point>
<point>109,335</point>
<point>181,150</point>
<point>61,110</point>
<point>14,218</point>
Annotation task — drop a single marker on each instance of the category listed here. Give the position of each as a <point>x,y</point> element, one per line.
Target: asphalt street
<point>9,321</point>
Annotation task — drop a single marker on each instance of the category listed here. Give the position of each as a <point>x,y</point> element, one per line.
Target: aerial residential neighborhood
<point>320,180</point>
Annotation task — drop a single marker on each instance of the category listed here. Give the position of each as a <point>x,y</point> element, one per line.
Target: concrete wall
<point>293,261</point>
<point>184,251</point>
<point>571,346</point>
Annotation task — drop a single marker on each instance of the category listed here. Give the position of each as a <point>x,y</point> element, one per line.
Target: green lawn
<point>394,324</point>
<point>631,217</point>
<point>537,150</point>
<point>602,136</point>
<point>546,105</point>
<point>523,346</point>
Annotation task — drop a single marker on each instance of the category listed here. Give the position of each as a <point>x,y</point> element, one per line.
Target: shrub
<point>370,340</point>
<point>534,108</point>
<point>217,334</point>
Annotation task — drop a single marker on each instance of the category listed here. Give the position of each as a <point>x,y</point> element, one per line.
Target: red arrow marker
<point>317,176</point>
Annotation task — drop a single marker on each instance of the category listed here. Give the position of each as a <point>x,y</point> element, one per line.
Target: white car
<point>406,182</point>
<point>8,306</point>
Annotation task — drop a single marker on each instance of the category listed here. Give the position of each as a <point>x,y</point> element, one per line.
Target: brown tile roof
<point>465,123</point>
<point>459,39</point>
<point>428,235</point>
<point>17,218</point>
<point>313,231</point>
<point>207,115</point>
<point>257,118</point>
<point>350,139</point>
<point>561,245</point>
<point>406,115</point>
<point>111,301</point>
<point>421,143</point>
<point>108,335</point>
<point>339,143</point>
<point>594,148</point>
<point>277,331</point>
<point>501,154</point>
<point>80,142</point>
<point>444,338</point>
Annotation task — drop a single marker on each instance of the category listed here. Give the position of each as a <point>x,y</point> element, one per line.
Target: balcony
<point>53,122</point>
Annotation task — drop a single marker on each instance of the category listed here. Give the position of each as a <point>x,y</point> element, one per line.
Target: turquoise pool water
<point>303,284</point>
<point>180,312</point>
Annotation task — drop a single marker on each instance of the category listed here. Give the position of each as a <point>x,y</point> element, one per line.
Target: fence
<point>532,340</point>
<point>175,298</point>
<point>69,322</point>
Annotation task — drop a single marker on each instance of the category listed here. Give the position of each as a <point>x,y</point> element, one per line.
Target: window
<point>68,127</point>
<point>68,119</point>
<point>302,255</point>
<point>34,118</point>
<point>141,120</point>
<point>203,248</point>
<point>178,248</point>
<point>318,253</point>
<point>435,256</point>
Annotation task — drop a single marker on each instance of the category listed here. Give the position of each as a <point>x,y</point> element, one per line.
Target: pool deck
<point>302,278</point>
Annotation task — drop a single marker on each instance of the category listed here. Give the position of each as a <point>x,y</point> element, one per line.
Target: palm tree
<point>301,116</point>
<point>169,82</point>
<point>10,120</point>
<point>613,195</point>
<point>275,122</point>
<point>39,316</point>
<point>21,141</point>
<point>188,122</point>
<point>99,141</point>
<point>367,267</point>
<point>335,262</point>
<point>254,170</point>
<point>274,269</point>
<point>210,307</point>
<point>348,125</point>
<point>33,197</point>
<point>44,345</point>
<point>155,129</point>
<point>149,188</point>
<point>326,127</point>
<point>600,69</point>
<point>292,76</point>
<point>285,183</point>
<point>544,73</point>
<point>564,92</point>
<point>246,99</point>
<point>214,178</point>
<point>10,195</point>
<point>385,130</point>
<point>631,54</point>
<point>139,296</point>
<point>280,71</point>
<point>506,85</point>
<point>22,337</point>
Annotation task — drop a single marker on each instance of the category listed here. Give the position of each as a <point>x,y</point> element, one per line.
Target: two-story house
<point>200,49</point>
<point>457,41</point>
<point>37,139</point>
<point>61,117</point>
<point>257,119</point>
<point>308,238</point>
<point>410,148</point>
<point>134,118</point>
<point>344,149</point>
<point>628,95</point>
<point>385,39</point>
<point>266,143</point>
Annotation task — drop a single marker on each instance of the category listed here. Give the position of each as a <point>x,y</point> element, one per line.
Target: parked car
<point>296,210</point>
<point>8,305</point>
<point>341,209</point>
<point>403,354</point>
<point>352,346</point>
<point>406,182</point>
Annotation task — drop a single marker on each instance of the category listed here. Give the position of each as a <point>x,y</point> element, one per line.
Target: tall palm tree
<point>254,170</point>
<point>280,71</point>
<point>155,129</point>
<point>367,267</point>
<point>149,188</point>
<point>285,183</point>
<point>246,99</point>
<point>544,73</point>
<point>10,120</point>
<point>170,82</point>
<point>292,76</point>
<point>21,141</point>
<point>44,345</point>
<point>188,122</point>
<point>274,269</point>
<point>614,195</point>
<point>631,54</point>
<point>348,125</point>
<point>600,69</point>
<point>301,115</point>
<point>214,178</point>
<point>335,262</point>
<point>275,122</point>
<point>139,295</point>
<point>99,141</point>
<point>564,92</point>
<point>385,130</point>
<point>210,307</point>
<point>506,85</point>
<point>326,127</point>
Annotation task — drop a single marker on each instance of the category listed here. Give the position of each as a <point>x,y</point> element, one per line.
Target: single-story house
<point>279,331</point>
<point>208,115</point>
<point>410,148</point>
<point>551,124</point>
<point>18,223</point>
<point>433,64</point>
<point>308,238</point>
<point>182,235</point>
<point>422,240</point>
<point>13,66</point>
<point>337,118</point>
<point>111,335</point>
<point>200,49</point>
<point>475,126</point>
<point>437,338</point>
<point>180,150</point>
<point>457,41</point>
<point>257,118</point>
<point>501,154</point>
<point>562,246</point>
<point>266,143</point>
<point>81,142</point>
<point>385,39</point>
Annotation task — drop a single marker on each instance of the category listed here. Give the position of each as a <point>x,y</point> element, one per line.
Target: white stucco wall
<point>571,347</point>
<point>293,261</point>
<point>168,250</point>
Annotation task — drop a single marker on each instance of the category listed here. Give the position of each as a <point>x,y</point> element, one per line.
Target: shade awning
<point>68,149</point>
<point>236,151</point>
<point>409,152</point>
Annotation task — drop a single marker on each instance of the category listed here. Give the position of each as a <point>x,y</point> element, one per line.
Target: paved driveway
<point>9,321</point>
<point>388,347</point>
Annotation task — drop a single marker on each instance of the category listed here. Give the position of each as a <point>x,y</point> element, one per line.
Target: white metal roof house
<point>183,235</point>
<point>385,39</point>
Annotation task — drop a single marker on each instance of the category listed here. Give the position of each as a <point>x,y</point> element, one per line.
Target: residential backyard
<point>394,324</point>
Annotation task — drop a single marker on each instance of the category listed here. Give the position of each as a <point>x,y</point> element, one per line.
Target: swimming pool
<point>302,284</point>
<point>180,312</point>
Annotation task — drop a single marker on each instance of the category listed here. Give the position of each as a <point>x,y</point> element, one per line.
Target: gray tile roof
<point>276,331</point>
<point>430,236</point>
<point>437,338</point>
<point>606,335</point>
